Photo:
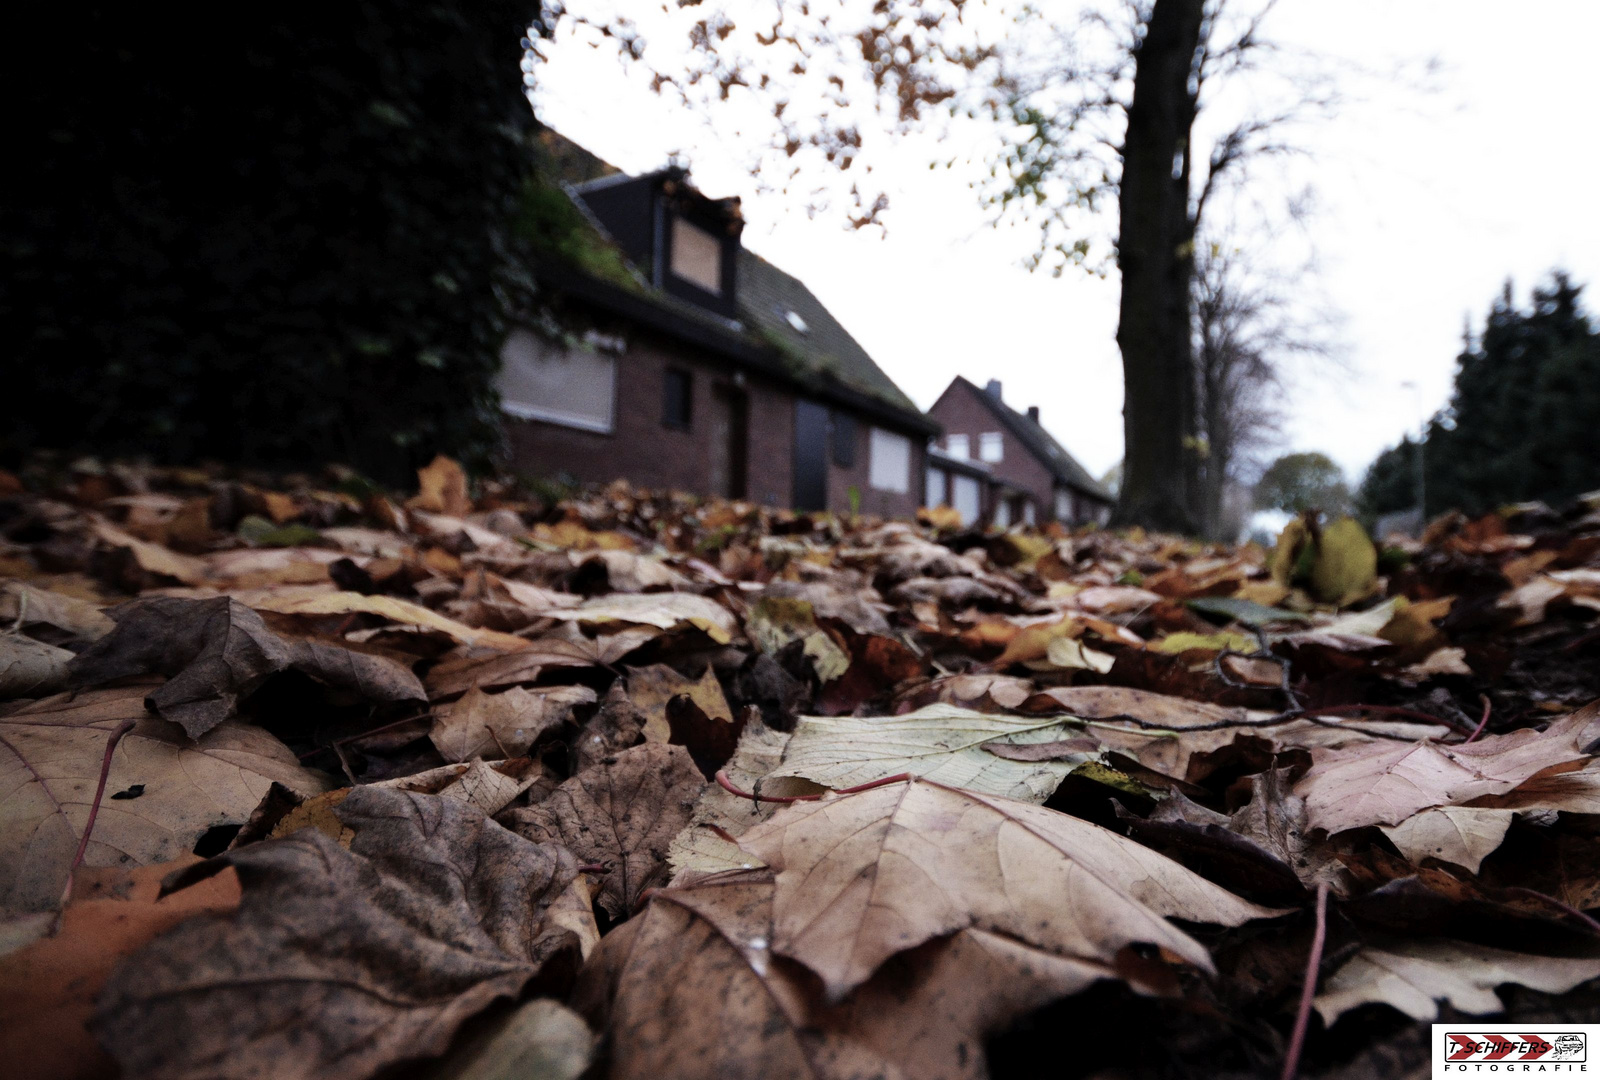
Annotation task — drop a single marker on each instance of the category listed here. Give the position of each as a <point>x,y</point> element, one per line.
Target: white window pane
<point>1028,516</point>
<point>935,493</point>
<point>1064,506</point>
<point>965,497</point>
<point>891,461</point>
<point>1002,512</point>
<point>696,256</point>
<point>957,446</point>
<point>542,380</point>
<point>991,446</point>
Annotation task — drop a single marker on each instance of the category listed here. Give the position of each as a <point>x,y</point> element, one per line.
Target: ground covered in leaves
<point>299,778</point>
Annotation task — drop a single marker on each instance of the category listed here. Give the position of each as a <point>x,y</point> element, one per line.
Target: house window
<point>1028,515</point>
<point>540,380</point>
<point>957,446</point>
<point>966,497</point>
<point>677,396</point>
<point>1064,505</point>
<point>1002,512</point>
<point>991,446</point>
<point>890,466</point>
<point>696,256</point>
<point>935,493</point>
<point>844,440</point>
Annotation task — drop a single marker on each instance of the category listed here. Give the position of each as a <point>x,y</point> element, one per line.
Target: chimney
<point>1033,413</point>
<point>993,389</point>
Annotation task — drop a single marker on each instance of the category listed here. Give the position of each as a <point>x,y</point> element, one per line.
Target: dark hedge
<point>261,236</point>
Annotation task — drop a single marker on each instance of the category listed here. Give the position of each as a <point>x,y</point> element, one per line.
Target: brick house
<point>696,364</point>
<point>1014,467</point>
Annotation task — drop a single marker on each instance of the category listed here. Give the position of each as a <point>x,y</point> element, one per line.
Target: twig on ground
<point>1308,992</point>
<point>1588,920</point>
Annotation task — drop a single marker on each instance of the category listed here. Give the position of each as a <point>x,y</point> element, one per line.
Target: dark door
<point>810,456</point>
<point>730,434</point>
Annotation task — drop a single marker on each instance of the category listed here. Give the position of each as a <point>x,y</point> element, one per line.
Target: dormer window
<point>696,256</point>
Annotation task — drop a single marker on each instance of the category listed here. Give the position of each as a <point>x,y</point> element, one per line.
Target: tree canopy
<point>1303,481</point>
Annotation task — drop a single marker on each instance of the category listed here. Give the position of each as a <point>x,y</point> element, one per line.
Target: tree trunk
<point>1156,255</point>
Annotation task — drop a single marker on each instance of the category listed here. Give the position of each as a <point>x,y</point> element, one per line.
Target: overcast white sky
<point>1427,204</point>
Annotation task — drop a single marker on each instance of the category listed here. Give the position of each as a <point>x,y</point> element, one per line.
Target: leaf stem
<point>94,807</point>
<point>728,786</point>
<point>1487,706</point>
<point>1308,992</point>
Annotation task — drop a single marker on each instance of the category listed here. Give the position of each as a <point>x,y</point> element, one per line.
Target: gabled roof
<point>822,358</point>
<point>1040,443</point>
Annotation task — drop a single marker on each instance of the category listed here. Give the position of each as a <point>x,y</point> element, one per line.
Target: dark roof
<point>1041,444</point>
<point>823,359</point>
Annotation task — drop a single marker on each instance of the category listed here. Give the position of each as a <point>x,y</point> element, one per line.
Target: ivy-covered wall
<point>263,235</point>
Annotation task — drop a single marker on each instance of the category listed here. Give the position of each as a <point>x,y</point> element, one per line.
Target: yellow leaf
<point>1346,567</point>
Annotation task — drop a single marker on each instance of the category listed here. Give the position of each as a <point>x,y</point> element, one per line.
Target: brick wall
<point>643,450</point>
<point>962,413</point>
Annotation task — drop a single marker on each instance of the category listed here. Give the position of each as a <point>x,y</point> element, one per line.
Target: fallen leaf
<point>1413,975</point>
<point>48,989</point>
<point>1066,654</point>
<point>152,558</point>
<point>30,668</point>
<point>217,652</point>
<point>862,877</point>
<point>1460,835</point>
<point>774,622</point>
<point>50,757</point>
<point>926,1013</point>
<point>623,814</point>
<point>665,610</point>
<point>506,725</point>
<point>1385,783</point>
<point>344,962</point>
<point>536,1040</point>
<point>322,602</point>
<point>28,608</point>
<point>936,742</point>
<point>441,489</point>
<point>650,688</point>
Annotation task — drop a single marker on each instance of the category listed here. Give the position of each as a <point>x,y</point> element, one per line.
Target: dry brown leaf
<point>30,668</point>
<point>536,1040</point>
<point>153,558</point>
<point>30,608</point>
<point>458,674</point>
<point>861,877</point>
<point>217,652</point>
<point>1463,836</point>
<point>1412,975</point>
<point>50,757</point>
<point>340,963</point>
<point>650,688</point>
<point>667,611</point>
<point>323,602</point>
<point>1571,791</point>
<point>1385,783</point>
<point>622,814</point>
<point>925,1014</point>
<point>441,489</point>
<point>504,725</point>
<point>945,743</point>
<point>490,786</point>
<point>47,990</point>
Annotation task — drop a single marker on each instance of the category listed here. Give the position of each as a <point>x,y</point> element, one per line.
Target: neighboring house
<point>1030,476</point>
<point>697,364</point>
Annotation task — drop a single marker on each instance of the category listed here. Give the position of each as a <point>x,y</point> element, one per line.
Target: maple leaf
<point>341,962</point>
<point>861,877</point>
<point>50,758</point>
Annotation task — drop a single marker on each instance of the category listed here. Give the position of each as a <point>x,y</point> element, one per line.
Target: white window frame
<point>889,462</point>
<point>958,447</point>
<point>541,349</point>
<point>937,487</point>
<point>991,446</point>
<point>1002,512</point>
<point>964,485</point>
